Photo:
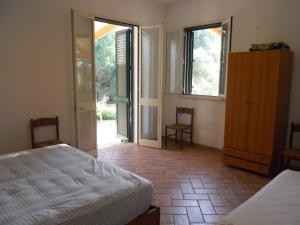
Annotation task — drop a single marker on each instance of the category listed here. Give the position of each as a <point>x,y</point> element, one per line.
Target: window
<point>174,41</point>
<point>206,50</point>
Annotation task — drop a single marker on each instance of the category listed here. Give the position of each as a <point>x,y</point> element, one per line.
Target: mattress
<point>63,185</point>
<point>278,203</point>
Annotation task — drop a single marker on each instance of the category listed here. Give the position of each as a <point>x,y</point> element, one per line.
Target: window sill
<point>172,93</point>
<point>201,97</point>
<point>197,97</point>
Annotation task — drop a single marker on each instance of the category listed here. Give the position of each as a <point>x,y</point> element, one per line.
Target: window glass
<point>206,53</point>
<point>173,62</point>
<point>206,61</point>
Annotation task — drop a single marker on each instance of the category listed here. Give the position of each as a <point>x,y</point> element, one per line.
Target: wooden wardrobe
<point>257,103</point>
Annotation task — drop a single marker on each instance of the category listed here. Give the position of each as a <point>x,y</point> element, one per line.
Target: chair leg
<point>288,161</point>
<point>191,137</point>
<point>166,136</point>
<point>176,136</point>
<point>281,161</point>
<point>181,141</point>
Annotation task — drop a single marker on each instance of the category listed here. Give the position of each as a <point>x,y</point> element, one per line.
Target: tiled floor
<point>192,186</point>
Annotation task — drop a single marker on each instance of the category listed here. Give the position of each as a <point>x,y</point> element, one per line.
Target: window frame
<point>188,58</point>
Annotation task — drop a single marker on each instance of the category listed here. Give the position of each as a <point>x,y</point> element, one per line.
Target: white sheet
<point>62,185</point>
<point>278,203</point>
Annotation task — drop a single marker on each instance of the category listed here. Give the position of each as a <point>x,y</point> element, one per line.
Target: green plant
<point>107,112</point>
<point>108,115</point>
<point>105,60</point>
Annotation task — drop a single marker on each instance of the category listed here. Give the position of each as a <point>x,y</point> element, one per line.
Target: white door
<point>150,85</point>
<point>84,81</point>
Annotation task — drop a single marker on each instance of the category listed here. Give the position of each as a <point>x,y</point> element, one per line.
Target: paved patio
<point>107,134</point>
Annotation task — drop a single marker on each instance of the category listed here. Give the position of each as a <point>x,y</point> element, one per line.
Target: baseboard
<point>194,144</point>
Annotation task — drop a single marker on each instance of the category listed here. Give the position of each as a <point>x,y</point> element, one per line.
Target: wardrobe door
<point>263,98</point>
<point>236,101</point>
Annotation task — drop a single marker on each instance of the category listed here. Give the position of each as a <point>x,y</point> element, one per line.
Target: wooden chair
<point>290,152</point>
<point>181,128</point>
<point>35,123</point>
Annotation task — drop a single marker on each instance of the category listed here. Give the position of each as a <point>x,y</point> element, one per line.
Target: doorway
<point>113,79</point>
<point>117,98</point>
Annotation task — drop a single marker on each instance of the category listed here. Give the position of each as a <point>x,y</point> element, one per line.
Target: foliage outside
<point>106,111</point>
<point>105,55</point>
<point>206,64</point>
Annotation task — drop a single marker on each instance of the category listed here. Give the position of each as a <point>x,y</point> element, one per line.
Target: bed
<point>278,203</point>
<point>62,185</point>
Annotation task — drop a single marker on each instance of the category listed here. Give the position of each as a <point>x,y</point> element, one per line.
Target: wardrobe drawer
<point>254,167</point>
<point>249,156</point>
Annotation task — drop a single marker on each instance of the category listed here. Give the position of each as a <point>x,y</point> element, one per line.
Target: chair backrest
<point>294,128</point>
<point>183,110</point>
<point>41,122</point>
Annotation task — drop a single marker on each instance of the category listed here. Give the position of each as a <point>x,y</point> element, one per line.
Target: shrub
<point>107,113</point>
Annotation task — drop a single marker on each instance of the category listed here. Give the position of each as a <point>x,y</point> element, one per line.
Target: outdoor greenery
<point>206,64</point>
<point>107,111</point>
<point>105,55</point>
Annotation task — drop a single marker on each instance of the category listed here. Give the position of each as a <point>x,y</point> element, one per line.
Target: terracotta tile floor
<point>192,186</point>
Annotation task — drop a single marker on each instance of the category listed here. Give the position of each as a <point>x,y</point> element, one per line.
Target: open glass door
<point>84,81</point>
<point>150,85</point>
<point>123,100</point>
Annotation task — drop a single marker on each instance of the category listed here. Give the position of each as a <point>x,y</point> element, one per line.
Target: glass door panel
<point>150,62</point>
<point>150,95</point>
<point>149,124</point>
<point>84,81</point>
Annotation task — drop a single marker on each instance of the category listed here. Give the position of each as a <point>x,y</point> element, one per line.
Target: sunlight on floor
<point>107,134</point>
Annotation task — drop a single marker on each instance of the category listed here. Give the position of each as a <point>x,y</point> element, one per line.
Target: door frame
<point>131,67</point>
<point>135,75</point>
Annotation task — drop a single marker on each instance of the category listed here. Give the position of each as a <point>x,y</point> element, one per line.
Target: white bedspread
<point>62,185</point>
<point>278,203</point>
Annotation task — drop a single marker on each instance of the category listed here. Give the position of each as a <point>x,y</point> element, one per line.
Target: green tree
<point>206,64</point>
<point>105,55</point>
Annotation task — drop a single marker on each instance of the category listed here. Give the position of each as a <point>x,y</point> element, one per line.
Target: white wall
<point>36,60</point>
<point>254,21</point>
<point>208,117</point>
<point>36,56</point>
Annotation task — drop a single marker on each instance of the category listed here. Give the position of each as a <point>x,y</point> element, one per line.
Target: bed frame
<point>150,217</point>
